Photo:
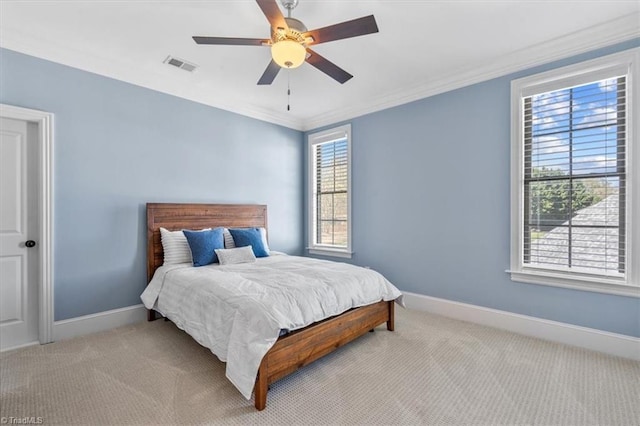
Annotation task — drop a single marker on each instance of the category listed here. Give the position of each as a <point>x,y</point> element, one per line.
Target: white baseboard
<point>24,345</point>
<point>79,326</point>
<point>583,337</point>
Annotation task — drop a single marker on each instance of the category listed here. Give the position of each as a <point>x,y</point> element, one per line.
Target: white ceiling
<point>423,47</point>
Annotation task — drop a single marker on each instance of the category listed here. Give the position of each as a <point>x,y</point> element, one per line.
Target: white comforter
<point>237,311</point>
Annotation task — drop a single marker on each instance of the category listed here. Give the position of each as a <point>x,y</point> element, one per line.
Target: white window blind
<point>575,145</point>
<point>329,192</point>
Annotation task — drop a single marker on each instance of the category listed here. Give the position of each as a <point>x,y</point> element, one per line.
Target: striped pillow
<point>175,246</point>
<point>235,255</point>
<point>228,239</point>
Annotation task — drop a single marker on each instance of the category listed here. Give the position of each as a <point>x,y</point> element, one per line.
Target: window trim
<point>625,62</point>
<point>312,140</point>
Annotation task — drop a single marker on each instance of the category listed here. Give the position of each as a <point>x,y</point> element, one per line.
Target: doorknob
<point>30,243</point>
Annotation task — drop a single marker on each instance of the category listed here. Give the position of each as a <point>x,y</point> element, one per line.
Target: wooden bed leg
<point>390,322</point>
<point>261,387</point>
<point>151,315</point>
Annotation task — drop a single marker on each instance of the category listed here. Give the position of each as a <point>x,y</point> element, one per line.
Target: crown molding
<point>615,31</point>
<point>19,41</point>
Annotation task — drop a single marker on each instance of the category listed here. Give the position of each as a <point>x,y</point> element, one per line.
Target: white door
<point>18,231</point>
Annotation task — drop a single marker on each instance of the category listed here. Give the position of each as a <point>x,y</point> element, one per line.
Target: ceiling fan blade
<point>272,12</point>
<point>269,74</point>
<point>230,41</point>
<point>354,28</point>
<point>328,67</point>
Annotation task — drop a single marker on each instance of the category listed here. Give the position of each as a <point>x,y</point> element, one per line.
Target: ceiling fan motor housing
<point>296,24</point>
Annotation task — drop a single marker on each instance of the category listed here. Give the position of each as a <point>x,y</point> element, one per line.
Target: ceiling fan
<point>290,40</point>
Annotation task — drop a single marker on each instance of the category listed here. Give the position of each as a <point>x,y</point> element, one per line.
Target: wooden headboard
<point>196,216</point>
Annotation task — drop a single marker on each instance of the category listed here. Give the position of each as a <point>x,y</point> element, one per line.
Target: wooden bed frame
<point>294,350</point>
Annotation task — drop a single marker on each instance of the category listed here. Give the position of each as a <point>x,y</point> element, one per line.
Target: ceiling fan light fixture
<point>290,39</point>
<point>288,53</point>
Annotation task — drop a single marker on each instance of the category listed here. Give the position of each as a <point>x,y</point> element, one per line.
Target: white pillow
<point>229,243</point>
<point>175,246</point>
<point>235,255</point>
<point>228,239</point>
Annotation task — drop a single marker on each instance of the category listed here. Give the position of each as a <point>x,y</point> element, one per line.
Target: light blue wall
<point>118,146</point>
<point>431,205</point>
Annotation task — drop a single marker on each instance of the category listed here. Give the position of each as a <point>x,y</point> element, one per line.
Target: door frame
<point>44,121</point>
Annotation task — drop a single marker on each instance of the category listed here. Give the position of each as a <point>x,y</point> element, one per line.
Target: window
<point>574,162</point>
<point>330,192</point>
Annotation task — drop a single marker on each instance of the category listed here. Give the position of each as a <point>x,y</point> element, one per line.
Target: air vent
<point>179,63</point>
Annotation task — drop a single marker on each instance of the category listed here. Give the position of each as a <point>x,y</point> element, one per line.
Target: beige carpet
<point>432,370</point>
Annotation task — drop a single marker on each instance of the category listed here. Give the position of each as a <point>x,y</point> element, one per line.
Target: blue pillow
<point>249,237</point>
<point>203,245</point>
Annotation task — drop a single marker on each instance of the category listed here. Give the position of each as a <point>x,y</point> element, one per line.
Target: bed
<point>290,351</point>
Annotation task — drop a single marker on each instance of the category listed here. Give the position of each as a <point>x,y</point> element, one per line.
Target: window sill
<point>330,252</point>
<point>598,285</point>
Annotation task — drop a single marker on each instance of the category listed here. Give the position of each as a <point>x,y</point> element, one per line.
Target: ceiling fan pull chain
<point>288,90</point>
